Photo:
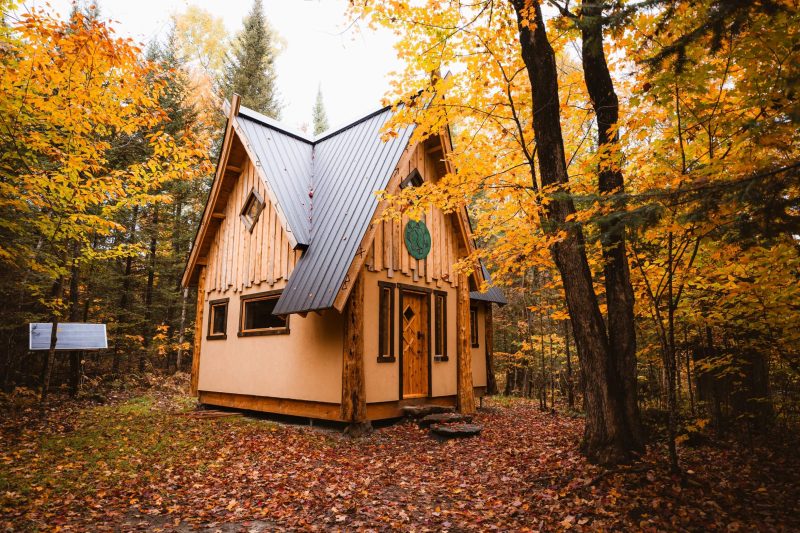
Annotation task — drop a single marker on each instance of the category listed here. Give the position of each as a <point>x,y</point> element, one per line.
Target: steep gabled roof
<point>324,191</point>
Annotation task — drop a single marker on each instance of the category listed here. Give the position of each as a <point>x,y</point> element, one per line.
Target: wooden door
<point>414,321</point>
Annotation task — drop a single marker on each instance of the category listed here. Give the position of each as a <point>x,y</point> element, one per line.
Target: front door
<point>414,322</point>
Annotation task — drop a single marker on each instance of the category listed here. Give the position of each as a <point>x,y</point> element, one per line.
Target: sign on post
<point>70,336</point>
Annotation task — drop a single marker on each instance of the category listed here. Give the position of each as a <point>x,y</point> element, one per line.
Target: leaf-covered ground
<point>138,463</point>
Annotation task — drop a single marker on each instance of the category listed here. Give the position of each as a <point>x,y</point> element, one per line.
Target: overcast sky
<point>351,66</point>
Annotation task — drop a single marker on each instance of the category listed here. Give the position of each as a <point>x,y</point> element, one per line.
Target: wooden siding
<point>239,258</point>
<point>387,251</point>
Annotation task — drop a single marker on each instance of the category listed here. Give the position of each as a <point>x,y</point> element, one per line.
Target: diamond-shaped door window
<point>408,313</point>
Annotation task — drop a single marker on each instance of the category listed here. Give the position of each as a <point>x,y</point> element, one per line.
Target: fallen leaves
<point>523,472</point>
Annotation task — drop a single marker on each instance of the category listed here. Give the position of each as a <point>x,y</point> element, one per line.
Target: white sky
<point>351,66</point>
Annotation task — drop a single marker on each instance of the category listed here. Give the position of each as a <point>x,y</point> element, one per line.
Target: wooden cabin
<point>307,303</point>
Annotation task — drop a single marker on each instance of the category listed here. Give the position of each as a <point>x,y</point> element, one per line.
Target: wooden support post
<point>354,397</point>
<point>465,392</point>
<point>491,382</point>
<point>198,329</point>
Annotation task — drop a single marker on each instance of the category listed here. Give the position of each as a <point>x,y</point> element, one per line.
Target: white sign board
<point>70,336</point>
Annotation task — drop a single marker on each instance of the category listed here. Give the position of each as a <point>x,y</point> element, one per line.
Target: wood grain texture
<point>354,396</point>
<point>466,397</point>
<point>198,330</point>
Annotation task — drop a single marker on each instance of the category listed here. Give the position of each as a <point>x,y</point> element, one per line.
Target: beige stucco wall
<point>306,364</point>
<point>383,379</point>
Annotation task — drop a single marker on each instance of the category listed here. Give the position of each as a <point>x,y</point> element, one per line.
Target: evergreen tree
<point>320,117</point>
<point>250,67</point>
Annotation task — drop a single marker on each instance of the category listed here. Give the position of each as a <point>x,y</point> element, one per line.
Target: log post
<point>491,383</point>
<point>198,330</point>
<point>354,398</point>
<point>465,392</point>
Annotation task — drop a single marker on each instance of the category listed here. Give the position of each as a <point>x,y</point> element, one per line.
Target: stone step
<point>419,411</point>
<point>458,429</point>
<point>444,418</point>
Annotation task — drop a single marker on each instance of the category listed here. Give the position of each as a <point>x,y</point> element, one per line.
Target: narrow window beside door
<point>473,326</point>
<point>385,323</point>
<point>440,326</point>
<point>217,319</point>
<point>257,318</point>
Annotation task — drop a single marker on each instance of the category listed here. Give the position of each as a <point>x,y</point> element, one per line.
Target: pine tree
<point>320,117</point>
<point>250,67</point>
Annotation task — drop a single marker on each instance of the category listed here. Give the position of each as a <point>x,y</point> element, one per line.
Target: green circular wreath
<point>418,239</point>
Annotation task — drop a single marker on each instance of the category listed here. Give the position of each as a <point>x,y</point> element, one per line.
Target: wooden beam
<point>234,169</point>
<point>464,390</point>
<point>198,330</point>
<point>283,406</point>
<point>218,216</point>
<point>354,397</point>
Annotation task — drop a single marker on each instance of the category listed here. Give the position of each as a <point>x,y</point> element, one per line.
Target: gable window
<point>440,326</point>
<point>473,326</point>
<point>256,316</point>
<point>385,323</point>
<point>252,209</point>
<point>412,180</point>
<point>218,319</point>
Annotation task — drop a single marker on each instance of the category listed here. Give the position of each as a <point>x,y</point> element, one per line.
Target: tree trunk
<point>669,360</point>
<point>616,271</point>
<point>182,329</point>
<point>49,361</point>
<point>123,317</point>
<point>608,435</point>
<point>465,392</point>
<point>74,316</point>
<point>491,381</point>
<point>354,398</point>
<point>147,327</point>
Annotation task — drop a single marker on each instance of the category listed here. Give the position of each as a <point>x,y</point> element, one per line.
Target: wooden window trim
<point>266,295</point>
<point>414,288</point>
<point>211,304</point>
<point>254,196</point>
<point>381,325</point>
<point>473,326</point>
<point>443,357</point>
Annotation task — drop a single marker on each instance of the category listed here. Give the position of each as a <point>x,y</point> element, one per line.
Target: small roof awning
<point>492,294</point>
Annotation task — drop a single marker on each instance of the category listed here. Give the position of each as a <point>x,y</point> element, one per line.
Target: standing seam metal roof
<point>326,189</point>
<point>342,171</point>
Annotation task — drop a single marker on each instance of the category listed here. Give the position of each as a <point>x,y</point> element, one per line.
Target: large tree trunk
<point>49,360</point>
<point>616,271</point>
<point>74,316</point>
<point>464,388</point>
<point>354,396</point>
<point>607,435</point>
<point>124,304</point>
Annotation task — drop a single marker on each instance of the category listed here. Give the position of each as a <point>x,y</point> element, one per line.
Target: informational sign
<point>69,336</point>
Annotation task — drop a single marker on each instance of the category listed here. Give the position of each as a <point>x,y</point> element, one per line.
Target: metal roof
<point>492,294</point>
<point>326,188</point>
<point>286,158</point>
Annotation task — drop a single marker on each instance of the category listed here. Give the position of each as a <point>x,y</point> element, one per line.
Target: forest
<point>631,170</point>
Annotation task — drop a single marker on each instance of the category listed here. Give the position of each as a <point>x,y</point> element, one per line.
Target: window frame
<point>474,331</point>
<point>210,335</point>
<point>443,356</point>
<point>414,179</point>
<point>254,196</point>
<point>267,295</point>
<point>384,322</point>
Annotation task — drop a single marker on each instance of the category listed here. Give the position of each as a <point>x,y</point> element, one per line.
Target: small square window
<point>257,316</point>
<point>414,179</point>
<point>218,319</point>
<point>252,209</point>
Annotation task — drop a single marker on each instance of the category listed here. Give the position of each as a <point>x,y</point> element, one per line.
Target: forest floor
<point>138,462</point>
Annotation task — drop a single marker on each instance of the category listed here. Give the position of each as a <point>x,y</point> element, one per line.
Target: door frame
<point>426,296</point>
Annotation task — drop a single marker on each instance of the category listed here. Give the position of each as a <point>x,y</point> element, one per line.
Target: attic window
<point>252,209</point>
<point>412,180</point>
